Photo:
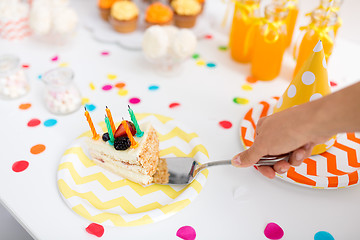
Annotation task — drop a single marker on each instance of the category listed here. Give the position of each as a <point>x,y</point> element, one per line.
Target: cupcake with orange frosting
<point>104,8</point>
<point>186,12</point>
<point>158,14</point>
<point>124,16</point>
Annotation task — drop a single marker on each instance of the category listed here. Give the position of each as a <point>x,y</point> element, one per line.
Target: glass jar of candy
<point>61,95</point>
<point>13,80</point>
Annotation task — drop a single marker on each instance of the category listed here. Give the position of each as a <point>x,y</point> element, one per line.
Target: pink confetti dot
<point>105,53</point>
<point>33,122</point>
<point>95,229</point>
<point>20,166</point>
<point>186,233</point>
<point>55,58</point>
<point>107,87</point>
<point>173,105</point>
<point>134,100</point>
<point>333,84</point>
<point>225,124</point>
<point>273,231</point>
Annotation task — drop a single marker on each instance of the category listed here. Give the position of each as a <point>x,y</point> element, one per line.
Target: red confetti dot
<point>186,233</point>
<point>107,87</point>
<point>225,124</point>
<point>20,166</point>
<point>24,106</point>
<point>333,84</point>
<point>55,58</point>
<point>95,229</point>
<point>173,105</point>
<point>37,149</point>
<point>134,100</point>
<point>208,36</point>
<point>251,79</point>
<point>25,66</point>
<point>34,122</point>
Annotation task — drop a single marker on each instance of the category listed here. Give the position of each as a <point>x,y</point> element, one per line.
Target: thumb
<point>247,158</point>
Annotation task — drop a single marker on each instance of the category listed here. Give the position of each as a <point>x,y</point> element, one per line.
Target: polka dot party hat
<point>309,84</point>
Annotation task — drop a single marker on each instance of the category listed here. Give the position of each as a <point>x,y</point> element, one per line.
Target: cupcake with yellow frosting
<point>186,12</point>
<point>124,16</point>
<point>158,14</point>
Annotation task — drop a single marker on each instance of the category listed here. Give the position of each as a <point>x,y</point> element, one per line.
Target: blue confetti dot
<point>153,87</point>
<point>40,76</point>
<point>50,122</point>
<point>322,235</point>
<point>90,107</point>
<point>211,65</point>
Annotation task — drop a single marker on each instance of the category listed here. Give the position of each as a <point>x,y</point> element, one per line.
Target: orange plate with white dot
<point>336,168</point>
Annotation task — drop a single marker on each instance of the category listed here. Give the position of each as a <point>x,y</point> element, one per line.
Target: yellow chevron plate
<point>103,197</point>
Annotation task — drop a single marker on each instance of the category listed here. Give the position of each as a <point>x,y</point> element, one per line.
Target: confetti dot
<point>33,122</point>
<point>315,96</point>
<point>208,36</point>
<point>40,77</point>
<point>123,92</point>
<point>225,124</point>
<point>37,149</point>
<point>95,229</point>
<point>322,235</point>
<point>273,231</point>
<point>85,100</point>
<point>291,92</point>
<point>24,106</point>
<point>105,53</point>
<point>153,87</point>
<point>318,47</point>
<point>64,64</point>
<point>55,58</point>
<point>195,56</point>
<point>120,85</point>
<point>308,78</point>
<point>20,166</point>
<point>92,86</point>
<point>211,65</point>
<point>134,100</point>
<point>50,122</point>
<point>25,66</point>
<point>186,233</point>
<point>241,100</point>
<point>90,107</point>
<point>200,63</point>
<point>251,79</point>
<point>223,48</point>
<point>173,105</point>
<point>107,87</point>
<point>333,84</point>
<point>246,87</point>
<point>111,76</point>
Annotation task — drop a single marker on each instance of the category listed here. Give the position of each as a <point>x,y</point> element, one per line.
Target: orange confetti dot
<point>24,106</point>
<point>37,149</point>
<point>120,85</point>
<point>251,79</point>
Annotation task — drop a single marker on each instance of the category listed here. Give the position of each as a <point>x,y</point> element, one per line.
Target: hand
<point>291,130</point>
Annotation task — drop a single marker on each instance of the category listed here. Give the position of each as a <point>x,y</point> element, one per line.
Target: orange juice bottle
<point>320,28</point>
<point>269,43</point>
<point>240,43</point>
<point>293,7</point>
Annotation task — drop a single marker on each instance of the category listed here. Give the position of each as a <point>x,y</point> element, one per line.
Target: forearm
<point>338,112</point>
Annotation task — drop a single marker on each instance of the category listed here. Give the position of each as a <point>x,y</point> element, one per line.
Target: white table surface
<point>206,97</point>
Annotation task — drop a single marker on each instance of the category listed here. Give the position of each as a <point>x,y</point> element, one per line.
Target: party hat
<point>309,84</point>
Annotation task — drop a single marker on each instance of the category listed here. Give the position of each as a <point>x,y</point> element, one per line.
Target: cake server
<point>183,170</point>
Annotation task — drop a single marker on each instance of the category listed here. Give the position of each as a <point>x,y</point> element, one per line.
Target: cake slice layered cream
<point>136,164</point>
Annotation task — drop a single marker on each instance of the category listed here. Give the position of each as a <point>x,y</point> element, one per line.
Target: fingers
<point>300,154</point>
<point>267,171</point>
<point>247,158</point>
<point>281,167</point>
